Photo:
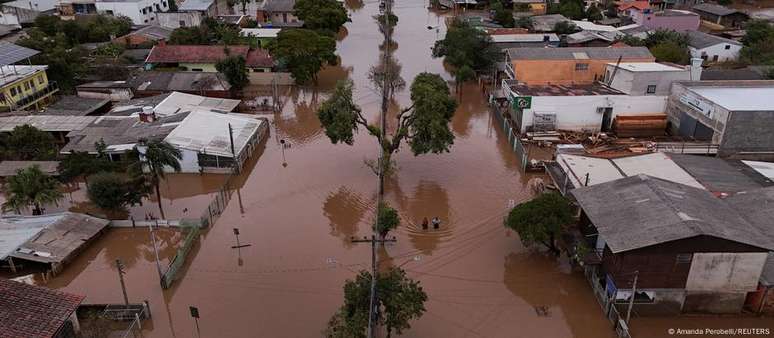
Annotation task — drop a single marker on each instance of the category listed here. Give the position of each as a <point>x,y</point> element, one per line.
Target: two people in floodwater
<point>436,223</point>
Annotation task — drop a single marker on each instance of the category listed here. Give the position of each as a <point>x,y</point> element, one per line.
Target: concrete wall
<point>725,272</point>
<point>283,79</point>
<point>15,16</point>
<point>563,71</point>
<point>579,113</point>
<point>636,83</point>
<point>713,302</point>
<point>173,19</point>
<point>36,5</point>
<point>719,50</point>
<point>666,302</point>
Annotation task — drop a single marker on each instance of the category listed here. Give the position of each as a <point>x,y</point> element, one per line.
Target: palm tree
<point>158,155</point>
<point>31,187</point>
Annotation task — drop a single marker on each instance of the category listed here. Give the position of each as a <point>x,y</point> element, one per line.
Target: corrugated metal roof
<point>208,133</point>
<point>61,238</point>
<point>178,102</point>
<point>11,53</point>
<point>46,122</point>
<point>195,5</point>
<point>569,53</point>
<point>9,168</point>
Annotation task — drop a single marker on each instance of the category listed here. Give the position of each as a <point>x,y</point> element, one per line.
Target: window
<point>197,70</point>
<point>581,66</point>
<point>41,79</point>
<point>715,58</point>
<point>728,46</point>
<point>182,23</point>
<point>651,89</point>
<point>109,12</point>
<point>26,86</point>
<point>13,91</point>
<point>683,258</point>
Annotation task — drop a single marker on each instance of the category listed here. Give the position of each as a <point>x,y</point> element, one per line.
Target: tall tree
<point>465,45</point>
<point>31,187</point>
<point>112,192</point>
<point>304,52</point>
<point>424,125</point>
<point>541,219</point>
<point>233,67</point>
<point>157,156</point>
<point>399,301</point>
<point>27,143</point>
<point>321,15</point>
<point>502,14</point>
<point>387,219</point>
<point>81,164</point>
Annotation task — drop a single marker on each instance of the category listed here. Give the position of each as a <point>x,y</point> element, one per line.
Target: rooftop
<point>701,40</point>
<point>62,236</point>
<point>135,105</point>
<point>563,90</point>
<point>71,105</point>
<point>120,133</point>
<point>154,32</point>
<point>13,73</point>
<point>714,9</point>
<point>260,32</point>
<point>11,53</point>
<point>579,53</point>
<point>178,102</point>
<point>33,311</point>
<point>731,74</point>
<point>279,5</point>
<point>586,36</point>
<point>590,26</point>
<point>501,38</point>
<point>195,5</point>
<point>641,211</point>
<point>46,122</point>
<point>164,53</point>
<point>739,98</point>
<point>766,169</point>
<point>207,132</point>
<point>721,176</point>
<point>179,81</point>
<point>624,5</point>
<point>104,84</point>
<point>546,23</point>
<point>9,168</point>
<point>647,67</point>
<point>675,12</point>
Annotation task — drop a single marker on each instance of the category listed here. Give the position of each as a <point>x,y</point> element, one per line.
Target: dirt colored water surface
<point>298,219</point>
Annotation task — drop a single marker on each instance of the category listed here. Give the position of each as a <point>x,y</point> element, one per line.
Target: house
<point>174,20</point>
<point>546,23</point>
<point>214,142</point>
<point>635,30</point>
<point>22,86</point>
<point>536,7</point>
<point>35,311</point>
<point>71,105</point>
<point>579,65</point>
<point>237,20</point>
<point>669,19</point>
<point>721,177</point>
<point>169,104</point>
<point>748,73</point>
<point>141,12</point>
<point>152,83</point>
<point>734,115</point>
<point>648,78</point>
<point>206,8</point>
<point>630,8</point>
<point>278,13</point>
<point>720,15</point>
<point>506,41</point>
<point>762,300</point>
<point>712,48</point>
<point>202,58</point>
<point>689,251</point>
<point>263,35</point>
<point>10,168</point>
<point>14,17</point>
<point>50,241</point>
<point>589,107</point>
<point>144,37</point>
<point>68,9</point>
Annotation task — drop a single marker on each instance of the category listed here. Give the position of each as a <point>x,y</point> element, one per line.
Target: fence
<point>608,303</point>
<point>694,148</point>
<point>177,262</point>
<point>218,204</point>
<point>513,136</point>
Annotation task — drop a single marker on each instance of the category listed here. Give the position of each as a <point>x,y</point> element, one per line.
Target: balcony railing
<point>35,96</point>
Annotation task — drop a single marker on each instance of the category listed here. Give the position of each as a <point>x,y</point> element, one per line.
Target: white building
<point>141,12</point>
<point>712,48</point>
<point>580,107</point>
<point>648,78</point>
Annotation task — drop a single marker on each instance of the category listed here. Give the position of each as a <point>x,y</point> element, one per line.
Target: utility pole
<point>380,188</point>
<point>121,273</point>
<point>631,300</point>
<point>156,251</point>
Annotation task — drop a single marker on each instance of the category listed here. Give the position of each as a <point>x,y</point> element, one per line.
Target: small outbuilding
<point>34,311</point>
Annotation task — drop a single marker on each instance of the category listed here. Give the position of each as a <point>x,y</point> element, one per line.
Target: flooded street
<point>298,220</point>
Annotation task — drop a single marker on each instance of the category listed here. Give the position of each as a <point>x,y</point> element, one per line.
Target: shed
<point>34,311</point>
<point>720,15</point>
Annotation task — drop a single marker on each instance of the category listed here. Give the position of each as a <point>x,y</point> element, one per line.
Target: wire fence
<point>218,204</point>
<point>174,267</point>
<point>513,135</point>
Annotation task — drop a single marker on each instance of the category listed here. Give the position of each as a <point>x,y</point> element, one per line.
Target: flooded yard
<point>297,207</point>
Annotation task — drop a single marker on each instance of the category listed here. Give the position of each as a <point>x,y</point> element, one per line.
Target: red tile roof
<point>164,53</point>
<point>624,5</point>
<point>33,311</point>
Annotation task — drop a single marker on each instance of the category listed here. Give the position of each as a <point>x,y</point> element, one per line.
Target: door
<point>607,118</point>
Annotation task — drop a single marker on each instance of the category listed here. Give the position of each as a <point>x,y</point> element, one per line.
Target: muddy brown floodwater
<point>298,219</point>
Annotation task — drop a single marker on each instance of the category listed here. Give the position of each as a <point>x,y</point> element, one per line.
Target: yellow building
<point>24,87</point>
